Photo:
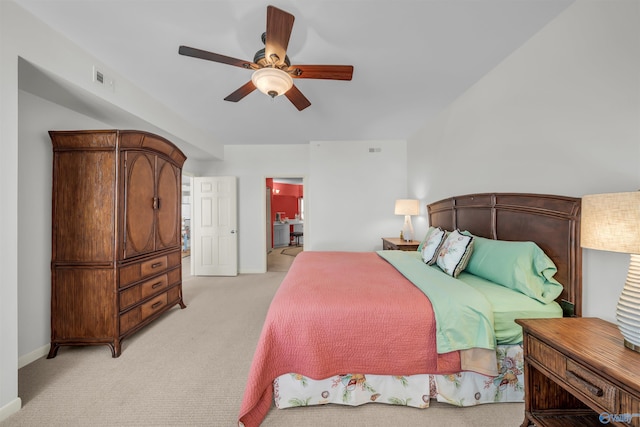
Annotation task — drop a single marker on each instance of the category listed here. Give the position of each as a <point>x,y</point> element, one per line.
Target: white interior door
<point>214,250</point>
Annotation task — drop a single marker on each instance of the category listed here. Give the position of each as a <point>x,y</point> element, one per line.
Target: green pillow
<point>521,266</point>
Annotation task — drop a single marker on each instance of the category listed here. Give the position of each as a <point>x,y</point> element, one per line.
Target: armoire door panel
<point>169,205</point>
<point>139,204</point>
<point>93,206</point>
<point>83,297</point>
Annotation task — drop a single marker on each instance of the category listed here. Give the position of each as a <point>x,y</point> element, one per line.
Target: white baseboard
<point>251,271</point>
<point>10,408</point>
<point>33,356</point>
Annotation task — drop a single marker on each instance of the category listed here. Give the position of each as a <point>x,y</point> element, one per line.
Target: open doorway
<point>285,217</point>
<point>186,226</point>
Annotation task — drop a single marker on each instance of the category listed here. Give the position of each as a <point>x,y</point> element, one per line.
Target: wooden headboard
<point>552,222</point>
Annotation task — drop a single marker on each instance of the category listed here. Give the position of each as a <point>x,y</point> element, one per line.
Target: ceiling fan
<point>273,73</point>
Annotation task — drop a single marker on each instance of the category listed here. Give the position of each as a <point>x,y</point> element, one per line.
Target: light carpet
<point>190,367</point>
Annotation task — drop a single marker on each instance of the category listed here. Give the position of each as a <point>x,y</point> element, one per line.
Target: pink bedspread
<point>342,312</point>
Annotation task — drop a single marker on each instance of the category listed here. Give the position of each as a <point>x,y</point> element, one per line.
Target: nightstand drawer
<point>547,356</point>
<point>592,385</point>
<point>631,405</point>
<point>583,380</point>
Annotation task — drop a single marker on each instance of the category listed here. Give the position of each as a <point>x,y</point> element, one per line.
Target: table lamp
<point>611,222</point>
<point>407,207</point>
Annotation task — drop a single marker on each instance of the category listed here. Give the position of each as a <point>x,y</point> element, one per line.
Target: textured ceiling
<point>411,58</point>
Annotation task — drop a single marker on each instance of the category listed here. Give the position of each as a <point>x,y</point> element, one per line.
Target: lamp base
<point>631,346</point>
<point>628,309</point>
<point>407,229</point>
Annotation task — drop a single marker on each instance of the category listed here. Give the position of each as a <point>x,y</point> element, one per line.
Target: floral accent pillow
<point>432,245</point>
<point>426,236</point>
<point>455,253</point>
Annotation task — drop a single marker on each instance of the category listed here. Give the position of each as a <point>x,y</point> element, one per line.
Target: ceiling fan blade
<point>243,91</point>
<point>279,26</point>
<point>210,56</point>
<point>328,72</point>
<point>297,98</point>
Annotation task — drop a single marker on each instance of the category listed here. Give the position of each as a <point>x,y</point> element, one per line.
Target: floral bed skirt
<point>461,389</point>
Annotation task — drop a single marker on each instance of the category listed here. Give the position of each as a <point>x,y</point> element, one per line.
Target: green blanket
<point>464,318</point>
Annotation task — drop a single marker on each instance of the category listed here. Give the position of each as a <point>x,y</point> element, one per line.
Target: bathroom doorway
<point>285,221</point>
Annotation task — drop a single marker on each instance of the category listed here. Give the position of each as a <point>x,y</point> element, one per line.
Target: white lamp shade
<point>407,207</point>
<point>611,222</point>
<point>272,81</point>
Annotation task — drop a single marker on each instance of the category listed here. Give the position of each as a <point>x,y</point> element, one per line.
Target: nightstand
<point>394,243</point>
<point>578,373</point>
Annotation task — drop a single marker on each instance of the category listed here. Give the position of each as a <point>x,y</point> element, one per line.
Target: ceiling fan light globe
<point>272,81</point>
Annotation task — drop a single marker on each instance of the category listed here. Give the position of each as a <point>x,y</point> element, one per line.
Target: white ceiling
<point>411,58</point>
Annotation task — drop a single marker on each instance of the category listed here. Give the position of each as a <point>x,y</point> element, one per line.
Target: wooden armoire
<point>116,261</point>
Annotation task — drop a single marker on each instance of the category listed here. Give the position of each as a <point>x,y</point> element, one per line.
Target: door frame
<point>305,186</point>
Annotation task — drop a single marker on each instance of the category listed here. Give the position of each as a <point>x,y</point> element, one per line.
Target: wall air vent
<point>100,78</point>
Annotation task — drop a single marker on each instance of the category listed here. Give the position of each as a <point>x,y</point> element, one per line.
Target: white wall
<point>561,115</point>
<point>349,193</point>
<point>353,192</point>
<point>9,400</point>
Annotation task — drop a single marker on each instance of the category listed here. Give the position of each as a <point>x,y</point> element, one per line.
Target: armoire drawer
<point>133,295</point>
<point>153,306</point>
<point>136,315</point>
<point>148,267</point>
<point>137,293</point>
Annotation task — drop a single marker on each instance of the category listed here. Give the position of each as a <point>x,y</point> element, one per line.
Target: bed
<point>385,326</point>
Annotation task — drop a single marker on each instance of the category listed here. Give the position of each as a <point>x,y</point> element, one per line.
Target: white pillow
<point>432,245</point>
<point>455,253</point>
<point>424,239</point>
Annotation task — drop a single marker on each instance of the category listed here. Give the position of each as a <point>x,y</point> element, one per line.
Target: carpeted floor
<point>190,367</point>
<point>280,259</point>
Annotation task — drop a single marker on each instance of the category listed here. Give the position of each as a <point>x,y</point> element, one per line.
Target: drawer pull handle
<point>595,390</point>
<point>156,265</point>
<point>155,285</point>
<point>156,305</point>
